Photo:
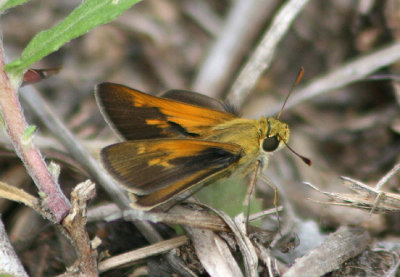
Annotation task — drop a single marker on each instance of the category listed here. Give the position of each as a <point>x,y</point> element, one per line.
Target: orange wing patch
<point>137,115</point>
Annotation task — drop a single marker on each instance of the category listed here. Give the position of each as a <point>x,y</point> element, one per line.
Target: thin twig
<point>16,125</point>
<point>261,214</point>
<point>264,53</point>
<point>387,176</point>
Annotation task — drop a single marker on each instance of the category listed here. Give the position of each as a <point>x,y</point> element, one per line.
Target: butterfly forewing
<point>161,168</point>
<point>198,99</point>
<point>136,115</point>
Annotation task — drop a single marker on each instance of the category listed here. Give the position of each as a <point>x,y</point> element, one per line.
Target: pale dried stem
<point>10,265</point>
<point>237,34</point>
<point>261,59</point>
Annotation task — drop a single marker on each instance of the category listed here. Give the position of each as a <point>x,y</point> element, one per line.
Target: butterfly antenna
<point>298,79</point>
<point>304,159</point>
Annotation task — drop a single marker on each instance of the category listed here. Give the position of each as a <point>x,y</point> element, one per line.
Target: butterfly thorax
<point>250,135</point>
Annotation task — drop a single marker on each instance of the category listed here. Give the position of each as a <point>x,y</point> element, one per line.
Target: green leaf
<point>28,132</point>
<point>11,3</point>
<point>89,14</point>
<point>228,196</point>
<point>28,135</point>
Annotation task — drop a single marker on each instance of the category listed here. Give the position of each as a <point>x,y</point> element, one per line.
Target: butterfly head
<point>275,136</point>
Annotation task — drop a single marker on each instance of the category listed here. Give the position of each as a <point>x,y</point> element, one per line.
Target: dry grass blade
<point>19,195</point>
<point>264,213</point>
<point>139,254</point>
<point>238,228</point>
<point>183,216</point>
<point>365,197</point>
<point>244,243</point>
<point>214,253</point>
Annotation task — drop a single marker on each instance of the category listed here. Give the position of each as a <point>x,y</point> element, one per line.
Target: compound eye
<point>270,144</point>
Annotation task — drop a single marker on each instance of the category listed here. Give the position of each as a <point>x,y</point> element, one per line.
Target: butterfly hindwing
<point>137,115</point>
<point>158,169</point>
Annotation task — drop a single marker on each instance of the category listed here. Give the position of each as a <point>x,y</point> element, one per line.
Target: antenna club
<point>306,160</point>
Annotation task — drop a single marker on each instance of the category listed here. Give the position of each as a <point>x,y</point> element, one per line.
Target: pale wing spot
<point>141,149</point>
<point>157,122</point>
<point>158,161</point>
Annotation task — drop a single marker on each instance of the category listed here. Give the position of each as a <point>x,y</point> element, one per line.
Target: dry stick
<point>75,148</point>
<point>227,50</point>
<point>10,265</point>
<point>74,224</point>
<point>16,125</point>
<point>340,246</point>
<point>344,75</point>
<point>262,56</point>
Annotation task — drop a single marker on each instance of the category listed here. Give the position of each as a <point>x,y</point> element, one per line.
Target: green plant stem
<point>15,124</point>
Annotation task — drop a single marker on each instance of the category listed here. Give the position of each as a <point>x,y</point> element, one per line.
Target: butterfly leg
<point>250,190</point>
<point>276,198</point>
